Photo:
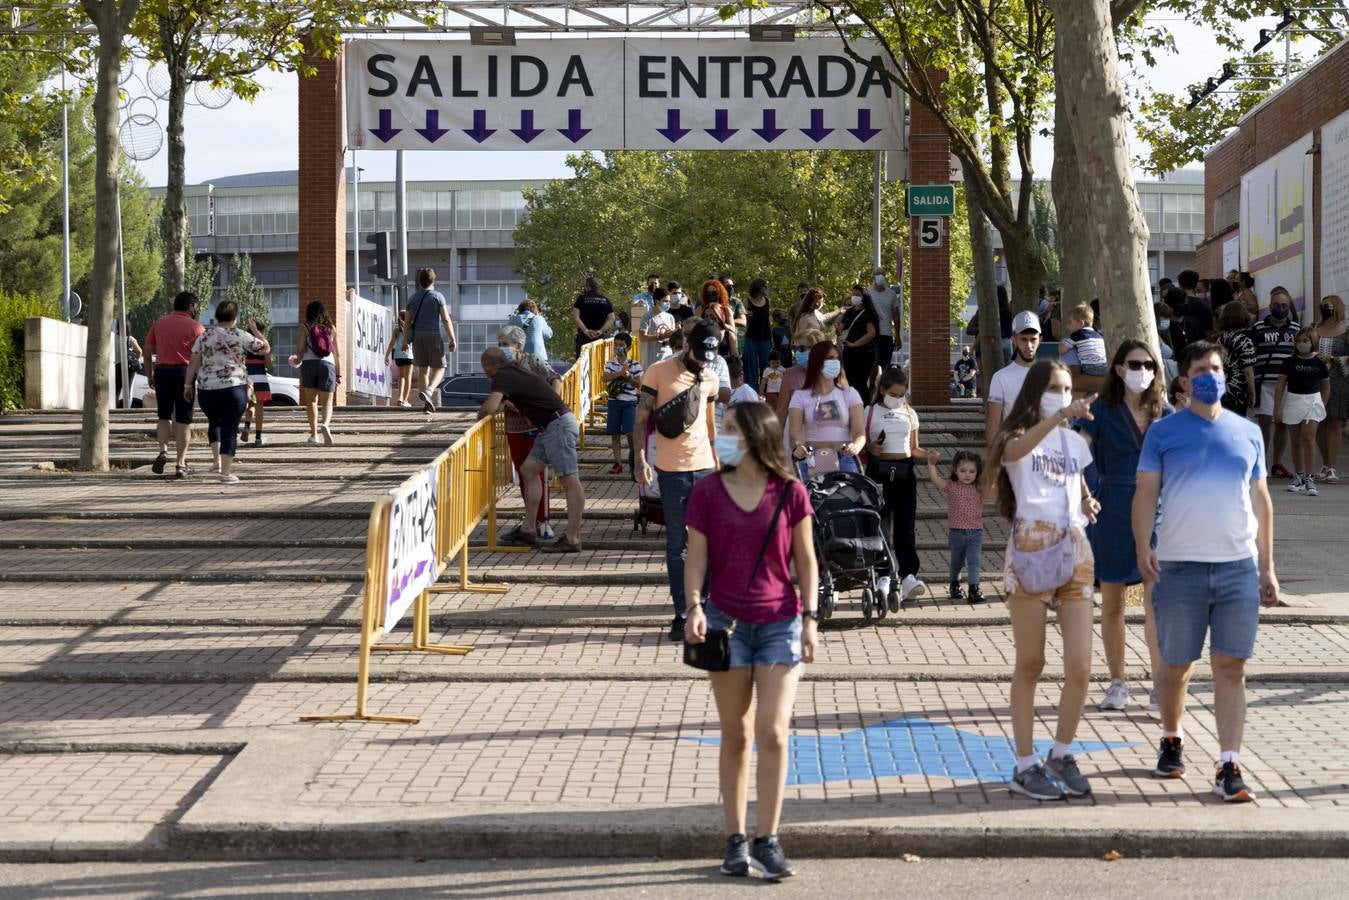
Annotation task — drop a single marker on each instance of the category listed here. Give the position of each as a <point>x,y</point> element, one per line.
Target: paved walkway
<point>160,639</point>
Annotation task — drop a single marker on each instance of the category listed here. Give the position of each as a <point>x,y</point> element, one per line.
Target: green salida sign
<point>932,200</point>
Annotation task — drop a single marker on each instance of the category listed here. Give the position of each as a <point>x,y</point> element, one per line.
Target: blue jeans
<point>1192,598</point>
<point>675,488</point>
<point>966,545</point>
<point>845,464</point>
<point>771,644</point>
<point>756,360</point>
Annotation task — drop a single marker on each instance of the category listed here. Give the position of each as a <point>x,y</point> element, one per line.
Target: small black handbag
<point>714,653</point>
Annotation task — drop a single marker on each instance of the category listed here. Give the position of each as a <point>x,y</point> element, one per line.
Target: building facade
<point>462,229</point>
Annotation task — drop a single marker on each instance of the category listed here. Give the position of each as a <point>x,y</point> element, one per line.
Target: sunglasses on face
<point>800,349</point>
<point>1138,364</point>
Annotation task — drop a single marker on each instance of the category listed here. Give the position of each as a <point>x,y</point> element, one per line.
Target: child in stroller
<point>850,543</point>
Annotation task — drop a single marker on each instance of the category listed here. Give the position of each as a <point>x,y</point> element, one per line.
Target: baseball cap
<point>1025,321</point>
<point>702,342</point>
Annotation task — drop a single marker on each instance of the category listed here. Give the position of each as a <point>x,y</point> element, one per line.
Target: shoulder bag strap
<point>772,525</point>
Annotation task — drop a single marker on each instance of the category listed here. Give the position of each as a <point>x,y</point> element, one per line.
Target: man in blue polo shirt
<point>1213,566</point>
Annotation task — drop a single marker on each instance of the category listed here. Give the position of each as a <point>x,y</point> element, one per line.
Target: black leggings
<point>224,408</point>
<point>901,505</point>
<point>859,364</point>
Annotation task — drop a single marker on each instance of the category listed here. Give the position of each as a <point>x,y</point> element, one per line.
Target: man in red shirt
<point>168,350</point>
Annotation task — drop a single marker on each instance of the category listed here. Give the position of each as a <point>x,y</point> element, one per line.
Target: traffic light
<point>379,240</point>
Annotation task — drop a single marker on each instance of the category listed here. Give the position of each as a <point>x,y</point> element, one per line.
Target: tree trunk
<point>986,289</point>
<point>1025,269</point>
<point>174,221</point>
<point>1096,109</point>
<point>1077,276</point>
<point>108,19</point>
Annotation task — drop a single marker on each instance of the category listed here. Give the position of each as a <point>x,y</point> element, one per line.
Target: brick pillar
<point>323,198</point>
<point>929,268</point>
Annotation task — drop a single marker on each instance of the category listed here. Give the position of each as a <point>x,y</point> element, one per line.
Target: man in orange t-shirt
<point>168,350</point>
<point>682,460</point>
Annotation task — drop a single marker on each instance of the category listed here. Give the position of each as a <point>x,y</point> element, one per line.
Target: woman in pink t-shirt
<point>746,527</point>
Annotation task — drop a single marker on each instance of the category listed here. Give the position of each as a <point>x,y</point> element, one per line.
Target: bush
<point>14,308</point>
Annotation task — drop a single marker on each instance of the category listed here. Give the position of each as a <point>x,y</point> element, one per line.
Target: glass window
<point>474,338</point>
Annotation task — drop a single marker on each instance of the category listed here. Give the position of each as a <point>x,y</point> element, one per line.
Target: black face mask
<point>1279,311</point>
<point>1327,313</point>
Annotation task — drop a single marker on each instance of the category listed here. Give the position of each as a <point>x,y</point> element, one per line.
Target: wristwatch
<point>812,614</point>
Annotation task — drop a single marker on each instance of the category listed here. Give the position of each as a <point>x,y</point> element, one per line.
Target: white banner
<point>372,326</point>
<point>1335,207</point>
<point>583,376</point>
<point>1276,223</point>
<point>412,564</point>
<point>616,93</point>
<point>1232,253</point>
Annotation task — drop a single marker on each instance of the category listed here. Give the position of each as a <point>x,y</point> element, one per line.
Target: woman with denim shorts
<point>747,525</point>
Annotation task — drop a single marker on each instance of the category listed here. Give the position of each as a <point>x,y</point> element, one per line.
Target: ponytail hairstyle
<point>891,376</point>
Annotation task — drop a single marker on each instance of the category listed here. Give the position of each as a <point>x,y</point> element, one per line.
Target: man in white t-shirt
<point>1007,381</point>
<point>656,327</point>
<point>885,298</point>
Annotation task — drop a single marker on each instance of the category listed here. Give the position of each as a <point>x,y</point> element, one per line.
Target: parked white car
<point>285,391</point>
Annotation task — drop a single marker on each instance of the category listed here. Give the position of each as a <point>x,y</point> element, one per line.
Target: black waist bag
<point>675,416</point>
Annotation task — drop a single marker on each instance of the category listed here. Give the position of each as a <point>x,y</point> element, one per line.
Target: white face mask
<point>892,402</point>
<point>856,300</point>
<point>1138,380</point>
<point>1163,323</point>
<point>1052,403</point>
<point>880,281</point>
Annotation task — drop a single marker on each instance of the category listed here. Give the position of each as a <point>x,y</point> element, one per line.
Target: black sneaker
<point>677,628</point>
<point>563,544</point>
<point>736,863</point>
<point>767,858</point>
<point>160,462</point>
<point>956,592</point>
<point>1169,761</point>
<point>975,595</point>
<point>1230,787</point>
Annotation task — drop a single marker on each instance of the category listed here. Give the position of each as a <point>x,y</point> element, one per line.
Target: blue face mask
<point>1209,387</point>
<point>832,368</point>
<point>729,450</point>
<point>507,353</point>
<point>802,357</point>
<point>664,306</point>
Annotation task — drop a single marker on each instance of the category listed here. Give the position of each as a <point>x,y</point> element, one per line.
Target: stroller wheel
<point>866,605</point>
<point>826,607</point>
<point>893,602</point>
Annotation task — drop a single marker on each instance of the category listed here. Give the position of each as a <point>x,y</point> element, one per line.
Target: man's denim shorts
<point>1222,599</point>
<point>760,645</point>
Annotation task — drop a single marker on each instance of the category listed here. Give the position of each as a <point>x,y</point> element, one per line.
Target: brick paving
<point>123,788</point>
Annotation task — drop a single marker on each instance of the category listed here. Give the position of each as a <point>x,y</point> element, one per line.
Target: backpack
<point>321,340</point>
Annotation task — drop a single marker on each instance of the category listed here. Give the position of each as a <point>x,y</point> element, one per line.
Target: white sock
<point>1059,749</point>
<point>1026,762</point>
<point>883,585</point>
<point>1229,756</point>
<point>1178,733</point>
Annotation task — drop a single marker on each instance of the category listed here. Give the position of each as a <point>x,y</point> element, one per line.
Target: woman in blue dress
<point>1132,398</point>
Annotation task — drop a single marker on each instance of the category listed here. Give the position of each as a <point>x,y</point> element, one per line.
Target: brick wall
<point>929,268</point>
<point>323,196</point>
<point>1308,102</point>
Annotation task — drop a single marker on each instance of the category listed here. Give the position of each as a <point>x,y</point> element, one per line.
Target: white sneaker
<point>1116,695</point>
<point>1153,704</point>
<point>1296,487</point>
<point>883,587</point>
<point>911,587</point>
<point>312,439</point>
<point>1309,486</point>
<point>1329,475</point>
<point>327,434</point>
<point>229,479</point>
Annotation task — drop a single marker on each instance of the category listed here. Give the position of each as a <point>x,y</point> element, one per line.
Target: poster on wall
<point>1335,207</point>
<point>1276,223</point>
<point>1232,253</point>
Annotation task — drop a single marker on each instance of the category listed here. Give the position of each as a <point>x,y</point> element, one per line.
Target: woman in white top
<point>218,366</point>
<point>1037,464</point>
<point>826,417</point>
<point>892,447</point>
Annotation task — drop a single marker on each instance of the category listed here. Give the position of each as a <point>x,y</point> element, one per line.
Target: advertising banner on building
<point>411,555</point>
<point>1276,223</point>
<point>616,93</point>
<point>372,326</point>
<point>1335,207</point>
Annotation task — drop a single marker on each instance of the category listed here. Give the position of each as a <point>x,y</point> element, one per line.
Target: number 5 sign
<point>929,232</point>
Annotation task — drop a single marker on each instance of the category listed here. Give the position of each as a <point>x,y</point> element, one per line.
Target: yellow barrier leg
<point>464,585</point>
<point>421,633</point>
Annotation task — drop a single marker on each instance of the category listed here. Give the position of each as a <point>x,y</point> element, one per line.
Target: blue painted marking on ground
<point>907,746</point>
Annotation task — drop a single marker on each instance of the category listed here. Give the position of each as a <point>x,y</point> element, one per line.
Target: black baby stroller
<point>850,543</point>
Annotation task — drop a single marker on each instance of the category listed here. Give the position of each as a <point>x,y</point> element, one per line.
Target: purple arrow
<point>574,132</point>
<point>526,132</point>
<point>817,132</point>
<point>433,132</point>
<point>672,131</point>
<point>385,132</point>
<point>864,132</point>
<point>480,132</point>
<point>722,131</point>
<point>770,131</point>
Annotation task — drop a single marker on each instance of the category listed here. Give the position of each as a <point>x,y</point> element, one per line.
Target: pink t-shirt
<point>733,541</point>
<point>964,505</point>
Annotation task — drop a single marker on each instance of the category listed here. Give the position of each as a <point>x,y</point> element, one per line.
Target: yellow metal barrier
<point>471,476</point>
